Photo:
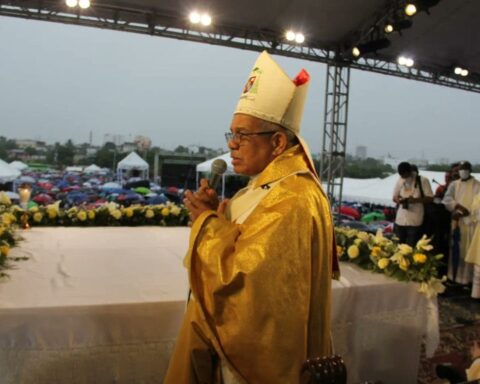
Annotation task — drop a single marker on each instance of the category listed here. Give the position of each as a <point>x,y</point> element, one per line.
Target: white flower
<point>433,287</point>
<point>404,249</point>
<point>424,243</point>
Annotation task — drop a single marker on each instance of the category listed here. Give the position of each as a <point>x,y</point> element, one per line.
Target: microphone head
<point>219,167</point>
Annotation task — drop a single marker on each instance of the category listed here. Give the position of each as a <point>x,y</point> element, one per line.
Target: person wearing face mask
<point>410,193</point>
<point>458,200</point>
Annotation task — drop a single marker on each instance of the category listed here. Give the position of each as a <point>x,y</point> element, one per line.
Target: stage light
<point>464,72</point>
<point>410,9</point>
<point>299,38</point>
<point>194,17</point>
<point>71,3</point>
<point>371,46</point>
<point>458,70</point>
<point>206,20</point>
<point>84,4</point>
<point>388,28</point>
<point>407,61</point>
<point>290,35</point>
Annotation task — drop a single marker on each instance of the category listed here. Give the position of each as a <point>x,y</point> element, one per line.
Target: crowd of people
<point>451,216</point>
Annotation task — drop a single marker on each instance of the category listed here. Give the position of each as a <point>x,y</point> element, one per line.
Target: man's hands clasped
<point>204,199</point>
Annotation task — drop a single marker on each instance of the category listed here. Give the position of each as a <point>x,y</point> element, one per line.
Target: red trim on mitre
<point>302,78</point>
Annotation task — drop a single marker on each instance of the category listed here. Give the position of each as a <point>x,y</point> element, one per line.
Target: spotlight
<point>290,35</point>
<point>299,38</point>
<point>410,9</point>
<point>194,17</point>
<point>71,3</point>
<point>458,70</point>
<point>464,72</point>
<point>84,4</point>
<point>388,28</point>
<point>371,46</point>
<point>407,61</point>
<point>401,24</point>
<point>206,19</point>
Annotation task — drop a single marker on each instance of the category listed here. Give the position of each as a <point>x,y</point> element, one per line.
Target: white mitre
<point>271,95</point>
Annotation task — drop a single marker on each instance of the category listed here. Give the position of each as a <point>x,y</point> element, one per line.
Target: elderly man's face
<point>250,153</point>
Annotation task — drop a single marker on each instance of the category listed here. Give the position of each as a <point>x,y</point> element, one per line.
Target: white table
<point>104,305</point>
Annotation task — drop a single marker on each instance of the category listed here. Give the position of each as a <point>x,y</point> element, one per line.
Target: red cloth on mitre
<point>302,78</point>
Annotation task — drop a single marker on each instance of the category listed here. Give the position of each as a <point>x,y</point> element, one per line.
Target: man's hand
<point>204,199</point>
<point>462,210</point>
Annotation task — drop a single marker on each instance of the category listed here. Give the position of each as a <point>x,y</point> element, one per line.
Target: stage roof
<point>445,37</point>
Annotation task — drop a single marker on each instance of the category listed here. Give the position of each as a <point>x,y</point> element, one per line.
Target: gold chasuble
<point>261,290</point>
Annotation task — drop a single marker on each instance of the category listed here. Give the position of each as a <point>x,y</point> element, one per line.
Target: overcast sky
<point>60,82</point>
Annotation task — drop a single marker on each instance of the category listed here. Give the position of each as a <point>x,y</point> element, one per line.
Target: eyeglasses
<point>241,136</point>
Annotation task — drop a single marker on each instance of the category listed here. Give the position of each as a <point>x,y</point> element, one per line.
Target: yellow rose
<point>404,264</point>
<point>33,209</point>
<point>165,211</point>
<point>91,215</point>
<point>175,211</point>
<point>4,249</point>
<point>376,251</point>
<point>38,217</point>
<point>4,199</point>
<point>339,250</point>
<point>357,242</point>
<point>6,219</point>
<point>353,252</point>
<point>116,214</point>
<point>82,216</point>
<point>128,212</point>
<point>149,214</point>
<point>419,258</point>
<point>52,213</point>
<point>383,263</point>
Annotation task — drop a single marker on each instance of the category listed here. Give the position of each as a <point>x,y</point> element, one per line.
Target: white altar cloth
<point>104,305</point>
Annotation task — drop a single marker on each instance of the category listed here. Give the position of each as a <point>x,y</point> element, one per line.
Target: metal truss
<point>171,26</point>
<point>335,131</point>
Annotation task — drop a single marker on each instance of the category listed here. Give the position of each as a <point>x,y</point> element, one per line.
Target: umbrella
<point>12,195</point>
<point>158,199</point>
<point>111,185</point>
<point>142,190</point>
<point>27,179</point>
<point>373,216</point>
<point>45,185</point>
<point>43,198</point>
<point>76,198</point>
<point>350,211</point>
<point>31,204</point>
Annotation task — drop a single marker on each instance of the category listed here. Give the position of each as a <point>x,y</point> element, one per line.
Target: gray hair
<point>291,137</point>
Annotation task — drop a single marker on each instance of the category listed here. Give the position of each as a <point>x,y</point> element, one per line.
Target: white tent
<point>7,172</point>
<point>19,165</point>
<point>92,169</point>
<point>380,191</point>
<point>74,168</point>
<point>206,166</point>
<point>130,163</point>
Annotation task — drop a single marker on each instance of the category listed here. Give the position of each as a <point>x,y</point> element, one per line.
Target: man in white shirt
<point>410,193</point>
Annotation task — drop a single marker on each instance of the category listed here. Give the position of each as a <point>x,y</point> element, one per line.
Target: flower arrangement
<point>379,254</point>
<point>7,239</point>
<point>109,214</point>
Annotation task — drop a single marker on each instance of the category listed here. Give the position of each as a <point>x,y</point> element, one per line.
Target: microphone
<point>219,167</point>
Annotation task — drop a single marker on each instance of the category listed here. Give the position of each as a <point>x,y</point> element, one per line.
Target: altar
<point>104,305</point>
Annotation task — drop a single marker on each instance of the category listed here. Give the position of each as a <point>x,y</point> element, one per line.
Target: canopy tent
<point>132,162</point>
<point>206,167</point>
<point>19,165</point>
<point>7,172</point>
<point>74,168</point>
<point>92,169</point>
<point>380,191</point>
